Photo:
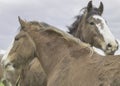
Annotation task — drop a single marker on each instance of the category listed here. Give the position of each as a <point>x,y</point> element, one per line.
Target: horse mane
<point>70,38</point>
<point>72,28</point>
<point>66,36</point>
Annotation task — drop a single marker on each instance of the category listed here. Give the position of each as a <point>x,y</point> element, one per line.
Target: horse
<point>5,82</point>
<point>66,60</point>
<point>35,62</point>
<point>102,53</point>
<point>90,27</point>
<point>31,75</point>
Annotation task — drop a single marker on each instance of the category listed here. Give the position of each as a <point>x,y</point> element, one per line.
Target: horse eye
<point>16,38</point>
<point>92,23</point>
<point>15,66</point>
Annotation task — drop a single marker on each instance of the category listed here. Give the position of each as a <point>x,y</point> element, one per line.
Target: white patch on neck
<point>105,31</point>
<point>4,59</point>
<point>99,51</point>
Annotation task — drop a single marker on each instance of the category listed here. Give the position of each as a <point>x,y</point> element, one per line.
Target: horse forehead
<point>99,18</point>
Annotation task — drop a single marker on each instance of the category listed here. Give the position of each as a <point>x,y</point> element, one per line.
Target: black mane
<point>75,24</point>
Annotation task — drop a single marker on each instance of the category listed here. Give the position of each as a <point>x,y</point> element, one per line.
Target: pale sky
<point>59,13</point>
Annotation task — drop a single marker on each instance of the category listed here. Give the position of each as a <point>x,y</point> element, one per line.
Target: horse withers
<point>66,60</point>
<point>91,27</point>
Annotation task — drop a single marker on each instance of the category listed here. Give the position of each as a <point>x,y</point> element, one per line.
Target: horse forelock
<point>94,11</point>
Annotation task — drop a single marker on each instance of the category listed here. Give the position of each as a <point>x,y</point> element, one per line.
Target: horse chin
<point>109,52</point>
<point>6,82</point>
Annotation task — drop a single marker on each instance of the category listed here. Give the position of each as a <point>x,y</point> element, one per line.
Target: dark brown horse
<point>66,60</point>
<point>90,27</point>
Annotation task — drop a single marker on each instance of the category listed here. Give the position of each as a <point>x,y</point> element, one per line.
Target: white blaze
<point>105,31</point>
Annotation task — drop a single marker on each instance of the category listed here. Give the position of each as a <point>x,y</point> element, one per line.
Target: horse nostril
<point>109,45</point>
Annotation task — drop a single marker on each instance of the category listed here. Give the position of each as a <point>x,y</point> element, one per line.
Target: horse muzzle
<point>111,48</point>
<point>7,65</point>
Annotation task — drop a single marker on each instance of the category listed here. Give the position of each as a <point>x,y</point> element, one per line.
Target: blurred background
<point>59,13</point>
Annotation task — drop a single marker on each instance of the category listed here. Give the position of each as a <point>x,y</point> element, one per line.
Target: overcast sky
<point>59,13</point>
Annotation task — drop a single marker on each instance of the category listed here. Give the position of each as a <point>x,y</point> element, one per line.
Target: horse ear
<point>89,6</point>
<point>22,22</point>
<point>101,8</point>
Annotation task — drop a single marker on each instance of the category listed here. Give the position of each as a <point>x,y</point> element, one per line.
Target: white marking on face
<point>5,60</point>
<point>10,68</point>
<point>105,31</point>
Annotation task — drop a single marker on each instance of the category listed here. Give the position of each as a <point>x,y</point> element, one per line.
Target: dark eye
<point>16,38</point>
<point>92,23</point>
<point>15,66</point>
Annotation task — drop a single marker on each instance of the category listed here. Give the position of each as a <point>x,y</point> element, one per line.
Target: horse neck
<point>81,26</point>
<point>78,33</point>
<point>49,50</point>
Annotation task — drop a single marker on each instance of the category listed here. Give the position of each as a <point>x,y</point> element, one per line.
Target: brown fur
<point>31,75</point>
<point>65,63</point>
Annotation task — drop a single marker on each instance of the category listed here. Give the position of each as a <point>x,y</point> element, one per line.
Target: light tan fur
<point>66,63</point>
